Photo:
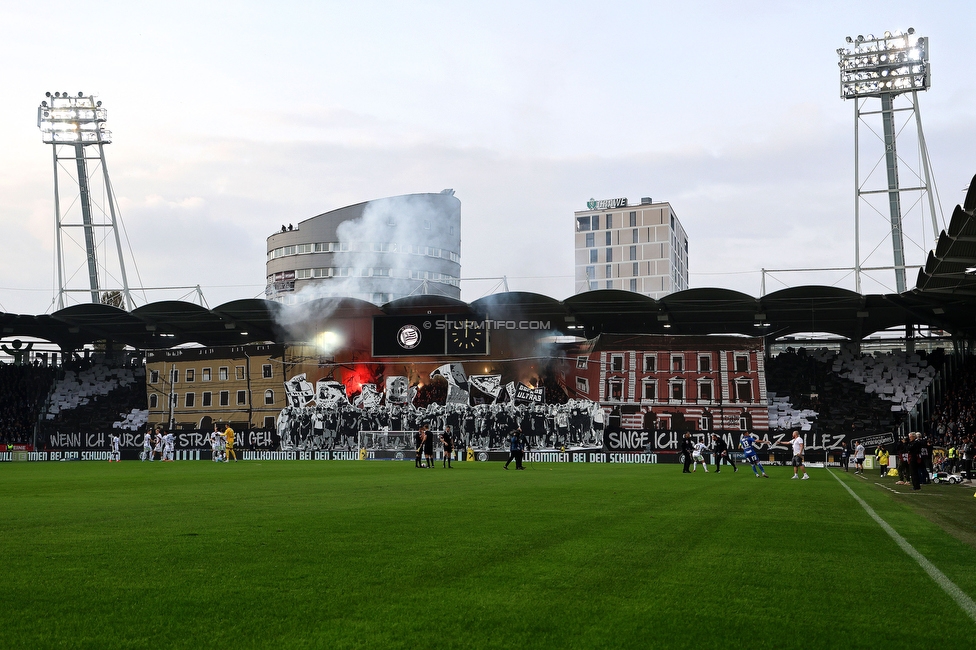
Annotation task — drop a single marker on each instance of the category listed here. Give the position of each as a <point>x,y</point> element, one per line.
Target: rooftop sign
<point>606,204</point>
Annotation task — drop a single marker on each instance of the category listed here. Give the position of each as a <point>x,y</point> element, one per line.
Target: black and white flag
<point>369,397</point>
<point>487,384</point>
<point>397,390</point>
<point>329,393</point>
<point>299,390</point>
<point>453,373</point>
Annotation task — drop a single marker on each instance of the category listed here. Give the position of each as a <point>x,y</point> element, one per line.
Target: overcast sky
<point>231,118</point>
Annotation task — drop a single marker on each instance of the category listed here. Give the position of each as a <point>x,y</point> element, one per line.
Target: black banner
<point>406,336</point>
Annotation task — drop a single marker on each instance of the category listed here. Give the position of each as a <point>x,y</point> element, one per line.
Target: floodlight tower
<point>73,125</point>
<point>893,66</point>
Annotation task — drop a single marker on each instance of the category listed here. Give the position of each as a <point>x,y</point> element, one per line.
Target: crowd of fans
<point>94,397</point>
<point>821,398</point>
<point>953,423</point>
<point>23,389</point>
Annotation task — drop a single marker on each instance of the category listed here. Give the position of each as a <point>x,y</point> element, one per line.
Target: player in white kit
<point>698,457</point>
<point>147,447</point>
<point>158,447</point>
<point>215,445</point>
<point>116,454</point>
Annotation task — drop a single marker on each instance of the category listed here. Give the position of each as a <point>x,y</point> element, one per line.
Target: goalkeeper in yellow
<point>229,438</point>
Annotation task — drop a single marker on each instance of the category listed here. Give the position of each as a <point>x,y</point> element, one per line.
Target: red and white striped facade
<point>711,383</point>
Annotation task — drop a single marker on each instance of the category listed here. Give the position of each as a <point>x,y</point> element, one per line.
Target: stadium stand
<point>22,393</point>
<point>97,398</point>
<point>804,387</point>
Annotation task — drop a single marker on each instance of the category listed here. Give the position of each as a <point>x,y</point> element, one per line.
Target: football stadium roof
<point>943,298</point>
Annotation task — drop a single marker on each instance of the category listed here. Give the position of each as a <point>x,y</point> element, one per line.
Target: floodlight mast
<point>886,67</point>
<point>72,124</point>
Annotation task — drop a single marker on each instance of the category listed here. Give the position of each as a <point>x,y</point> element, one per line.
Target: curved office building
<point>378,251</point>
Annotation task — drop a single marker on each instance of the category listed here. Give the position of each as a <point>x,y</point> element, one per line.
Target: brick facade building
<point>699,383</point>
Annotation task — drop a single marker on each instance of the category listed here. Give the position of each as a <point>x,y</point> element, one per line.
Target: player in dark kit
<point>428,447</point>
<point>419,443</point>
<point>447,438</point>
<point>515,446</point>
<point>686,448</point>
<point>721,452</point>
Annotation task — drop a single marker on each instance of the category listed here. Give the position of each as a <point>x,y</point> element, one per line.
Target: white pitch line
<point>948,586</point>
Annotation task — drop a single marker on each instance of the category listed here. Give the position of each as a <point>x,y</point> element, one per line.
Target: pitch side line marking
<point>948,586</point>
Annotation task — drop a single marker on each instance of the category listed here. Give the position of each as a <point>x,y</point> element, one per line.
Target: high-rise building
<point>377,251</point>
<point>641,248</point>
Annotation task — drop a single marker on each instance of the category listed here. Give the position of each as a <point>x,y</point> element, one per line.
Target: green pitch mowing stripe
<point>381,554</point>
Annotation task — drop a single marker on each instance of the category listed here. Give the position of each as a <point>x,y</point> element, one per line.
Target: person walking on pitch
<point>721,452</point>
<point>797,443</point>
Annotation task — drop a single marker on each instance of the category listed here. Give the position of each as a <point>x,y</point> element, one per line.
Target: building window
<point>596,222</point>
<point>241,397</point>
<point>616,390</point>
<point>650,363</point>
<point>268,397</point>
<point>581,362</point>
<point>205,374</point>
<point>153,376</point>
<point>190,375</point>
<point>705,391</point>
<point>633,219</point>
<point>609,238</point>
<point>225,398</point>
<point>741,363</point>
<point>609,222</point>
<point>677,391</point>
<point>705,422</point>
<point>174,375</point>
<point>239,371</point>
<point>207,398</point>
<point>609,284</point>
<point>222,373</point>
<point>594,256</point>
<point>590,240</point>
<point>266,371</point>
<point>677,363</point>
<point>617,363</point>
<point>609,272</point>
<point>582,385</point>
<point>745,422</point>
<point>189,400</point>
<point>269,422</point>
<point>743,391</point>
<point>594,285</point>
<point>633,284</point>
<point>153,401</point>
<point>634,237</point>
<point>636,269</point>
<point>704,363</point>
<point>582,223</point>
<point>633,253</point>
<point>650,390</point>
<point>590,272</point>
<point>664,423</point>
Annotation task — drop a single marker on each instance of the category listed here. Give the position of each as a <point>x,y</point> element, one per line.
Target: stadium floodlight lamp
<point>72,120</point>
<point>892,64</point>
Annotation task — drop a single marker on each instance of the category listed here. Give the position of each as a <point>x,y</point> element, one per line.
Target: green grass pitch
<point>383,555</point>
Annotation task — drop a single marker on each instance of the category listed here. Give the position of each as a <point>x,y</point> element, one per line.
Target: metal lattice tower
<point>84,202</point>
<point>890,69</point>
